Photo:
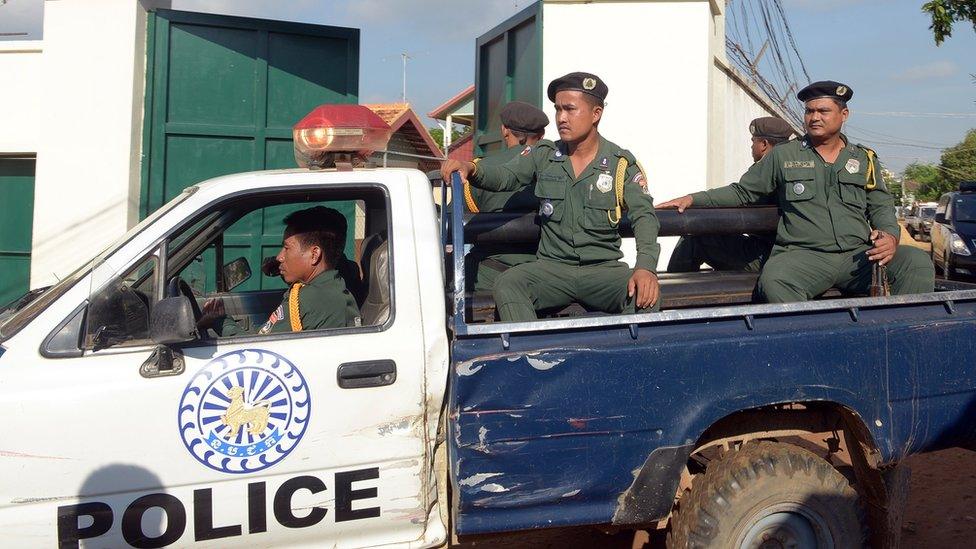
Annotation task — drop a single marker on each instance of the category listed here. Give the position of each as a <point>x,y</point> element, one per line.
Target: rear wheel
<point>769,495</point>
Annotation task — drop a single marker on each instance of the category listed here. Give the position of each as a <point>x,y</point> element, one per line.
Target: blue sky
<point>881,48</point>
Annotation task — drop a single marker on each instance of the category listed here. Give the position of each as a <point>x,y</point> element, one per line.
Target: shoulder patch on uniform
<point>798,164</point>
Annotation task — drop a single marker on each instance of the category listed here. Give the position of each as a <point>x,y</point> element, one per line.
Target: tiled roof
<point>389,112</point>
<point>404,121</point>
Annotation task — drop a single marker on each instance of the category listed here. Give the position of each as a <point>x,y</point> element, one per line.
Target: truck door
<point>292,438</point>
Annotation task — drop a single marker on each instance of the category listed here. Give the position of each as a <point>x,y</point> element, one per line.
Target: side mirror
<point>172,321</point>
<point>940,218</point>
<point>236,273</point>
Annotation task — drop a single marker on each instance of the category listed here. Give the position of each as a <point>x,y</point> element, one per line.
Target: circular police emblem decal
<point>244,411</point>
<point>798,188</point>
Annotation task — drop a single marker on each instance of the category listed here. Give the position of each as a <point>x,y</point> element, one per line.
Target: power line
<point>905,114</point>
<point>760,42</point>
<point>895,137</point>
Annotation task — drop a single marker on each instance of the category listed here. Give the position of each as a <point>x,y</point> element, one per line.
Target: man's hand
<point>644,284</point>
<point>681,203</point>
<point>884,248</point>
<point>450,166</point>
<point>213,310</point>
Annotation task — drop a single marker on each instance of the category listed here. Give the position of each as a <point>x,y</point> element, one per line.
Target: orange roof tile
<point>389,112</point>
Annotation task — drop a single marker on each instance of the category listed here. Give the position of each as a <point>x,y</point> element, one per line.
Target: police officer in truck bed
<point>583,183</point>
<point>523,125</point>
<point>836,216</point>
<point>734,252</point>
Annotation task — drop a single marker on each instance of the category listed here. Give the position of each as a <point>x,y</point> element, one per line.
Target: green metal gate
<point>508,68</point>
<point>16,222</point>
<point>222,94</point>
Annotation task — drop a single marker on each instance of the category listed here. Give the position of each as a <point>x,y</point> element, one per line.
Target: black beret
<point>826,88</point>
<point>522,117</point>
<point>771,127</point>
<point>579,81</point>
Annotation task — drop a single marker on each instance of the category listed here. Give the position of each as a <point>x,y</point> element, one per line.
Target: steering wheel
<point>179,286</point>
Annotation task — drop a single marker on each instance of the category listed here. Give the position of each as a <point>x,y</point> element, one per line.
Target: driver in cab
<point>317,297</point>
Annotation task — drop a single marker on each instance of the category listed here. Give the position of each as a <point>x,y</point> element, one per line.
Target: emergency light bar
<point>332,134</point>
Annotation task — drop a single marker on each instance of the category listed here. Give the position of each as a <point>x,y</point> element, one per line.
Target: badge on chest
<point>853,166</point>
<point>604,183</point>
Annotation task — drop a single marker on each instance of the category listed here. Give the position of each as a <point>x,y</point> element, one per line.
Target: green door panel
<point>16,224</point>
<point>211,75</point>
<point>222,95</point>
<point>296,85</point>
<point>191,159</point>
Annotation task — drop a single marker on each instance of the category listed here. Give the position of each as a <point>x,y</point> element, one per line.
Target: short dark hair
<point>523,137</point>
<point>319,226</point>
<point>773,141</point>
<point>593,100</point>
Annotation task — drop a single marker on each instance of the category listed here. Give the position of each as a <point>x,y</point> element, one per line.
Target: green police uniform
<point>579,249</point>
<point>735,252</point>
<point>827,212</point>
<point>732,252</point>
<point>484,263</point>
<point>322,303</point>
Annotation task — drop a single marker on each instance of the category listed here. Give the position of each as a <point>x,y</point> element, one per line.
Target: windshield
<point>19,312</point>
<point>927,213</point>
<point>964,209</point>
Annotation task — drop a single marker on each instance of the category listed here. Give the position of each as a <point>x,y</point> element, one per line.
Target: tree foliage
<point>957,164</point>
<point>928,179</point>
<point>438,135</point>
<point>945,13</point>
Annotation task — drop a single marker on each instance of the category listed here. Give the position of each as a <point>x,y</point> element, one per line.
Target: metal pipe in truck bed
<point>486,228</point>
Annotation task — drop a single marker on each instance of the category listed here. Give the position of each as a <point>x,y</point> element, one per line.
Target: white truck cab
<point>311,438</point>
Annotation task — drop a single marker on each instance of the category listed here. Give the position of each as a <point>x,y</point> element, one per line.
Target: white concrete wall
<point>742,105</point>
<point>654,57</point>
<point>86,108</point>
<point>20,103</point>
<point>741,108</point>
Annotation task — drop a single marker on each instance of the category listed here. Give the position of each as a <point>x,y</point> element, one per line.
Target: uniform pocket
<point>598,208</point>
<point>551,190</point>
<point>799,184</point>
<point>852,189</point>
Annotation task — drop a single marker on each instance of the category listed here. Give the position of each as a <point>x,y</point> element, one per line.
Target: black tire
<point>787,493</point>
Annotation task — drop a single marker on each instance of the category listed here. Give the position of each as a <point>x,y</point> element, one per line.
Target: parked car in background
<point>918,221</point>
<point>954,232</point>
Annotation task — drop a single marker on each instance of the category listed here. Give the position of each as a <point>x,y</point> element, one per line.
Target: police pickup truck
<point>731,424</point>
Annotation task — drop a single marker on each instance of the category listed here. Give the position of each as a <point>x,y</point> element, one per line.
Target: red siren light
<point>339,133</point>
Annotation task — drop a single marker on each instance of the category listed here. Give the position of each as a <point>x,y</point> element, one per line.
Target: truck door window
<point>215,262</point>
<point>119,312</point>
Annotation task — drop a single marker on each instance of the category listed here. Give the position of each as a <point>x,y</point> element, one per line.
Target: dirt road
<point>940,513</point>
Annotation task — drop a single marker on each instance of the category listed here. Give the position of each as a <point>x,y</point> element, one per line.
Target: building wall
<point>654,57</point>
<point>20,102</point>
<point>81,112</point>
<point>741,109</point>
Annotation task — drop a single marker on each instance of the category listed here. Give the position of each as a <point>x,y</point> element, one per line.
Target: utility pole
<point>404,57</point>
